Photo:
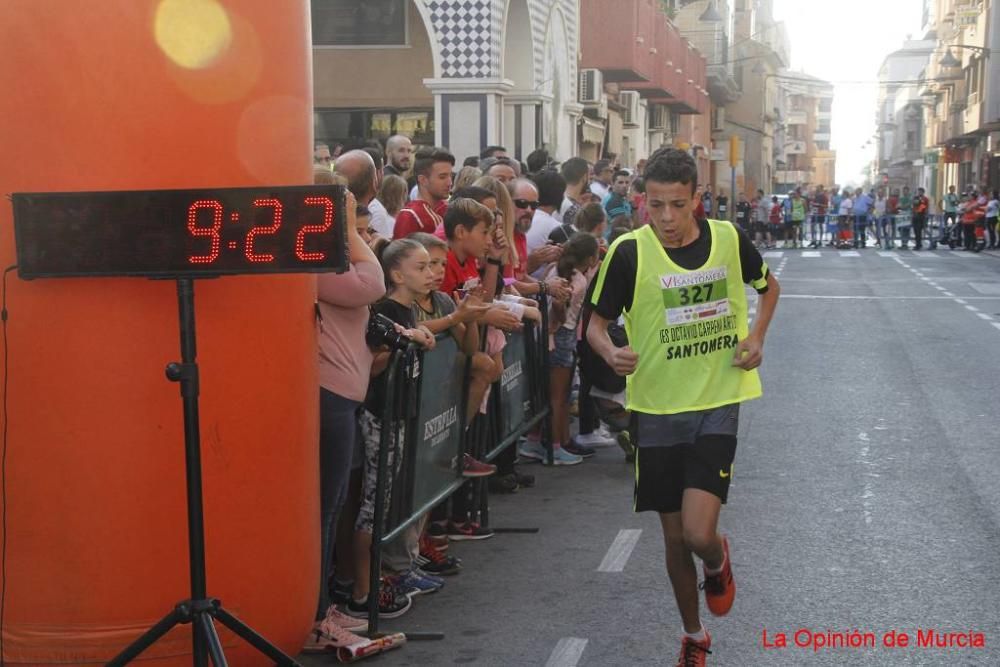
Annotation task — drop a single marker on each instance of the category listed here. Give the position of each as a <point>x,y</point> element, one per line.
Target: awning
<point>593,131</point>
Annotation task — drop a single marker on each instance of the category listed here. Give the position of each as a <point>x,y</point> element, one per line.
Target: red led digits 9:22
<point>213,231</point>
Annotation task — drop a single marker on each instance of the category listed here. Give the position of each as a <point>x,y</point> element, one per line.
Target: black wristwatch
<point>494,261</point>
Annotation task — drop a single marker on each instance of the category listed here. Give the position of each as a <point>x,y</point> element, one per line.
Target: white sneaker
<point>598,438</point>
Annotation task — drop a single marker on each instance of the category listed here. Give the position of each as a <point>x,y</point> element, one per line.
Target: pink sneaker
<point>347,622</point>
<point>327,636</point>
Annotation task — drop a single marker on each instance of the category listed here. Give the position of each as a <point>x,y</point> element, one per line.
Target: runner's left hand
<point>749,354</point>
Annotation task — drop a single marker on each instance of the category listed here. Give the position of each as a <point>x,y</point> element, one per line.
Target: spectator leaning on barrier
<point>685,382</point>
<point>432,168</point>
<point>406,266</point>
<point>862,206</point>
<point>886,223</point>
<point>344,366</point>
<point>579,256</point>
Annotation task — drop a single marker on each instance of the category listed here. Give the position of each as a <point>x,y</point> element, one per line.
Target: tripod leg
<point>211,637</point>
<point>254,639</point>
<point>147,639</point>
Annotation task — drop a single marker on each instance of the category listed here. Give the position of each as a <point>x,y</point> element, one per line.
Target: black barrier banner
<point>439,421</point>
<point>515,395</point>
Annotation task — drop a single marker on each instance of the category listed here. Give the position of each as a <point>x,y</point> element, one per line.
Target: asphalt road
<point>865,497</point>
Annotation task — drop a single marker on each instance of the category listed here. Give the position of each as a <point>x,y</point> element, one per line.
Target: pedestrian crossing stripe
<point>775,255</point>
<point>888,253</point>
<point>849,253</point>
<point>812,253</point>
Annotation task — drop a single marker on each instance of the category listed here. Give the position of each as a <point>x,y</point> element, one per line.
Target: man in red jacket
<point>433,169</point>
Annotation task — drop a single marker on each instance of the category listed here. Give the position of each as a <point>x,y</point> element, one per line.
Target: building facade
<point>458,73</point>
<point>900,137</point>
<point>643,85</point>
<point>960,91</point>
<point>805,151</point>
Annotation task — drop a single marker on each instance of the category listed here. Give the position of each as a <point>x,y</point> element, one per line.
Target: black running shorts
<point>704,461</point>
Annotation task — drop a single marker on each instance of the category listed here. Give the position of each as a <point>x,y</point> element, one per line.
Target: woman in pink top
<point>345,362</point>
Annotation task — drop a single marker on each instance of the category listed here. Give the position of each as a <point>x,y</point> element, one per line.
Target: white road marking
<point>961,301</point>
<point>773,253</point>
<point>812,253</point>
<point>567,652</point>
<point>997,325</point>
<point>887,253</point>
<point>849,253</point>
<point>868,494</point>
<point>972,308</point>
<point>984,316</point>
<point>620,550</point>
<point>948,294</point>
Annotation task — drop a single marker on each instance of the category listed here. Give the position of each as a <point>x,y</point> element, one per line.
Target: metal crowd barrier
<point>434,434</point>
<point>896,228</point>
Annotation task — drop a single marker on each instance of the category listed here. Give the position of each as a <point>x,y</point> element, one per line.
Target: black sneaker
<point>340,591</point>
<point>391,603</point>
<point>524,480</point>
<point>577,449</point>
<point>503,483</point>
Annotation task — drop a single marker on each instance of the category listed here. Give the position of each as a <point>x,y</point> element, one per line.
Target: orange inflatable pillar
<point>154,94</point>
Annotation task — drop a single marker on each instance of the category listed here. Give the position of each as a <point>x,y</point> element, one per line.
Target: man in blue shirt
<point>617,203</point>
<point>862,207</point>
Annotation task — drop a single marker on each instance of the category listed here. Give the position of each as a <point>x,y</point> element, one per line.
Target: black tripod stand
<point>200,610</point>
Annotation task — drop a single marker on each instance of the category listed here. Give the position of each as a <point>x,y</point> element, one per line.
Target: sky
<point>844,42</point>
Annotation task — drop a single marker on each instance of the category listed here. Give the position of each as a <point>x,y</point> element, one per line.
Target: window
<point>354,23</point>
<point>356,126</point>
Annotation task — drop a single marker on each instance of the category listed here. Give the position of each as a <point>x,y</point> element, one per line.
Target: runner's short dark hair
<point>671,165</point>
<point>426,158</point>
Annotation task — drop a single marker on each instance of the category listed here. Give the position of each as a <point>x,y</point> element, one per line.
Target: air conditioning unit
<point>659,117</point>
<point>630,100</point>
<point>591,86</point>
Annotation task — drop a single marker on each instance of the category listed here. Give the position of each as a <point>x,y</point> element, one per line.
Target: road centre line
<point>567,652</point>
<point>620,550</point>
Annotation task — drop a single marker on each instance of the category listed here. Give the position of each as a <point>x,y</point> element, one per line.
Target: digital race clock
<point>176,233</point>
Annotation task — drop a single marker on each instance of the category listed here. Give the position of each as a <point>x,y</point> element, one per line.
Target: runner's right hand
<point>623,360</point>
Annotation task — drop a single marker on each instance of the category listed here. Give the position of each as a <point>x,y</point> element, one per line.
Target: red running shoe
<point>474,468</point>
<point>720,589</point>
<point>693,652</point>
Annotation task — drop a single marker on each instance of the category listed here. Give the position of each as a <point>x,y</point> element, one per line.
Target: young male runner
<point>690,362</point>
